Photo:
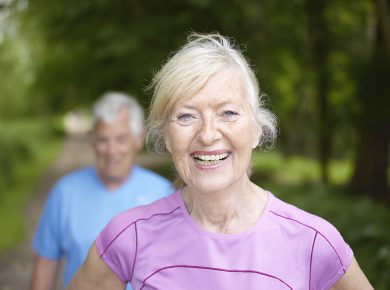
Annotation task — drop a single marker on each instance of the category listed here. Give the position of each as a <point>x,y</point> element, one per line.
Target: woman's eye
<point>185,119</point>
<point>230,115</point>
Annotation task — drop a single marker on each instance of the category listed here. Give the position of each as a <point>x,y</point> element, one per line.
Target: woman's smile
<point>211,136</point>
<point>210,160</point>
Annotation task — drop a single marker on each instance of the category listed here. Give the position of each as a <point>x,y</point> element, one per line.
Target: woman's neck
<point>230,211</point>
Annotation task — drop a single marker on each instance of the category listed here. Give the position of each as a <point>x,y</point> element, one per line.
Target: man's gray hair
<point>110,104</point>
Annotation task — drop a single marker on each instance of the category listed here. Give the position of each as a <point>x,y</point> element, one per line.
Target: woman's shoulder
<point>325,239</point>
<point>291,214</point>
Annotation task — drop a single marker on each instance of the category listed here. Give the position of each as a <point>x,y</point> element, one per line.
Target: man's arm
<point>43,274</point>
<point>353,279</point>
<point>95,274</point>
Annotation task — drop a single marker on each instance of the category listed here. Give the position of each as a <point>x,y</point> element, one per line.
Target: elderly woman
<point>220,230</point>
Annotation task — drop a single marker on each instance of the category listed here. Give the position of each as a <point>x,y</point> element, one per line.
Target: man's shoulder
<point>80,172</point>
<point>79,177</point>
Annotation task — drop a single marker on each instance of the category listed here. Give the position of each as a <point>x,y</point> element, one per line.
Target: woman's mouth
<point>206,160</point>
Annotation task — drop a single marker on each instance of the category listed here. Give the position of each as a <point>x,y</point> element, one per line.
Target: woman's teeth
<point>208,160</point>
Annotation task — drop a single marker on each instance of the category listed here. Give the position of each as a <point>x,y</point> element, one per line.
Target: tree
<point>370,176</point>
<point>319,34</point>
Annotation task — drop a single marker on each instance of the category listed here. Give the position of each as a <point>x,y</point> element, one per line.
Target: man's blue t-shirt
<point>79,206</point>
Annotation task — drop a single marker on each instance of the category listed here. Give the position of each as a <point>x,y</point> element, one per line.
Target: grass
<point>362,222</point>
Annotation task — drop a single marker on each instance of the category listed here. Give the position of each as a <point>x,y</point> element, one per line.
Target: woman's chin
<point>209,183</point>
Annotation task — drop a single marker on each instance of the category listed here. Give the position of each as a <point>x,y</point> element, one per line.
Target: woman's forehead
<point>225,87</point>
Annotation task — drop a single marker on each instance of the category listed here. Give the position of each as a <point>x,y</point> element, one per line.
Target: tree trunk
<point>370,177</point>
<point>372,162</point>
<point>319,35</point>
<point>382,9</point>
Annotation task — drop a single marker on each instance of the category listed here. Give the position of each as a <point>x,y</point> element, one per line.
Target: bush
<point>20,142</point>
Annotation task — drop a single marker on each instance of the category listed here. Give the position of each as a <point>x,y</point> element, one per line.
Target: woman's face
<point>211,135</point>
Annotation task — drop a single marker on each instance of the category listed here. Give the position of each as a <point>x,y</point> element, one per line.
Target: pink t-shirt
<point>159,246</point>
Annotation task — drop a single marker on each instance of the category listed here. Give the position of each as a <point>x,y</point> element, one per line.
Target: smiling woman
<point>217,114</point>
<point>220,230</point>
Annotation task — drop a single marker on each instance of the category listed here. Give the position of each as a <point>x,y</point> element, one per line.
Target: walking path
<point>16,265</point>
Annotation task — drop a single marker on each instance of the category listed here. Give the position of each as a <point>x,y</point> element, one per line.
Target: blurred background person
<point>82,202</point>
<point>220,230</point>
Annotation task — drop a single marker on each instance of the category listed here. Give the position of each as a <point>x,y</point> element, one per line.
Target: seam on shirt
<point>314,229</point>
<point>311,257</point>
<point>136,250</point>
<point>214,269</point>
<point>331,281</point>
<point>126,227</point>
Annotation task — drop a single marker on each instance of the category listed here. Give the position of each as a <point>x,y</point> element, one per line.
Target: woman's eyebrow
<point>187,107</point>
<point>229,103</point>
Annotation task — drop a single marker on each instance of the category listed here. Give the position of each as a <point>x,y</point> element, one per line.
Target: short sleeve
<point>47,239</point>
<point>117,246</point>
<point>330,258</point>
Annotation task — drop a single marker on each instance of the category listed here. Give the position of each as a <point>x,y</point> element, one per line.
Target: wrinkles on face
<point>210,135</point>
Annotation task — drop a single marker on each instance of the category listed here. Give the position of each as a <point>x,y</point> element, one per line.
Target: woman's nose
<point>209,131</point>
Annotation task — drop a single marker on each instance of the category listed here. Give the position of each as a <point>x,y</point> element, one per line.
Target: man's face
<point>115,148</point>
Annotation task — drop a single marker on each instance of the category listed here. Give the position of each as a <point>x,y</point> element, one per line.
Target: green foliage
<point>26,149</point>
<point>88,55</point>
<point>21,142</point>
<point>81,49</point>
<point>58,55</point>
<point>14,147</point>
<point>13,81</point>
<point>296,170</point>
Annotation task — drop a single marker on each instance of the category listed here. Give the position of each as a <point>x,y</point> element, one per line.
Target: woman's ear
<point>256,137</point>
<point>167,144</point>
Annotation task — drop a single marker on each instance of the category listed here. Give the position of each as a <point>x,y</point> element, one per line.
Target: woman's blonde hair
<point>188,70</point>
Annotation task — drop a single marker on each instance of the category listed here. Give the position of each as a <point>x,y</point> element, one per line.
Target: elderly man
<point>82,202</point>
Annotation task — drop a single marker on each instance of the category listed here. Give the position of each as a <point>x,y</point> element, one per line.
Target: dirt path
<point>16,265</point>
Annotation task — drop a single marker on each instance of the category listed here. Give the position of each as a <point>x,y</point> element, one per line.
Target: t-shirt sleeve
<point>117,245</point>
<point>47,238</point>
<point>330,257</point>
